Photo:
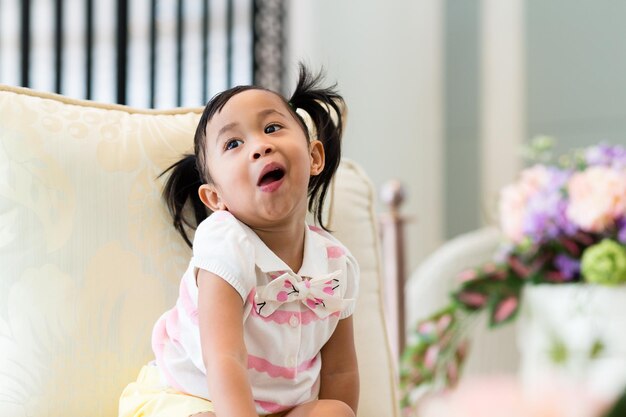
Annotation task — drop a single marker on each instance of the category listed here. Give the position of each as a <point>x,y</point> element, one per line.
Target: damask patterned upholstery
<point>89,260</point>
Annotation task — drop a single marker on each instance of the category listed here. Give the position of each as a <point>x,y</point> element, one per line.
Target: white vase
<point>574,333</point>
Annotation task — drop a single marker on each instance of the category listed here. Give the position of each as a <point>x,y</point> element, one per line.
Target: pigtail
<point>181,195</point>
<point>324,106</point>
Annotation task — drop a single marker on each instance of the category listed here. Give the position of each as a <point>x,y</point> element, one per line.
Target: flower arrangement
<point>563,221</point>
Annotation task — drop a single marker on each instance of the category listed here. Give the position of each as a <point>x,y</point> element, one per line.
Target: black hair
<point>324,105</point>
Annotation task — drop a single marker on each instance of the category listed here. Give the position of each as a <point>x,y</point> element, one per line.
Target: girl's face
<point>260,161</point>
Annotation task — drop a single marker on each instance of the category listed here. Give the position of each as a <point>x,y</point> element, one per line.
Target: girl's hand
<point>340,373</point>
<point>220,314</point>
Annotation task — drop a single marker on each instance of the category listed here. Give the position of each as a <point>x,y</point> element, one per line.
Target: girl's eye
<point>232,144</point>
<point>273,128</point>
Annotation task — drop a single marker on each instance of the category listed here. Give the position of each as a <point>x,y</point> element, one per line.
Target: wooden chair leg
<point>393,252</point>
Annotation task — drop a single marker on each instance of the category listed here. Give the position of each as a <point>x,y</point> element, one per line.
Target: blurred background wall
<point>443,93</point>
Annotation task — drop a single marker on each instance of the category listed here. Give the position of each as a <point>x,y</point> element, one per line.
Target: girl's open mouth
<point>271,177</point>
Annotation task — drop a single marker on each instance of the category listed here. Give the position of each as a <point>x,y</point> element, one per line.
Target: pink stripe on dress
<point>159,338</point>
<point>334,252</point>
<point>172,325</point>
<point>272,407</point>
<point>187,303</point>
<point>262,365</point>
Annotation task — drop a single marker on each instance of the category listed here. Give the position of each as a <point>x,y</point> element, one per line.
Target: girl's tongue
<point>271,176</point>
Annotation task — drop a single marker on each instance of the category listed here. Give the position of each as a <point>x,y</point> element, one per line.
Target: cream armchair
<point>88,259</point>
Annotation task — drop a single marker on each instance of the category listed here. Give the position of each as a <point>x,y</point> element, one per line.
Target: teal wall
<point>461,116</point>
<point>576,71</point>
<point>575,77</point>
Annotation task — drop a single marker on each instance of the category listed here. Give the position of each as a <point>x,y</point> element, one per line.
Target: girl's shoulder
<point>218,223</point>
<point>222,246</point>
<point>221,228</point>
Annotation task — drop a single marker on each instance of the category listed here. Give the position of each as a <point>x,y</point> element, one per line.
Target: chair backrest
<point>428,289</point>
<point>89,260</point>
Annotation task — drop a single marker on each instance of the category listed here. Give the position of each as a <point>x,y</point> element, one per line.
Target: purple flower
<point>545,216</point>
<point>613,156</point>
<point>621,230</point>
<point>569,267</point>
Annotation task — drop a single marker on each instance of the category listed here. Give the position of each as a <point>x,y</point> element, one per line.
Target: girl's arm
<point>340,373</point>
<point>220,314</point>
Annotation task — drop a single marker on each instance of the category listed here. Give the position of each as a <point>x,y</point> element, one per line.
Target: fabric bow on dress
<point>321,294</point>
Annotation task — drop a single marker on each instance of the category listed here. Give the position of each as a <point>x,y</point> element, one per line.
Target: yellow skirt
<point>148,397</point>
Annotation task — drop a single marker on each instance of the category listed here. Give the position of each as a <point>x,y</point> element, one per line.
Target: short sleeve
<point>352,285</point>
<point>221,246</point>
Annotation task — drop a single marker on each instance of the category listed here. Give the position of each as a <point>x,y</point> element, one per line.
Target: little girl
<point>263,320</point>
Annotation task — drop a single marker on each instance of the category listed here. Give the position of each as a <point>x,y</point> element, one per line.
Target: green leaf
<point>558,352</point>
<point>597,349</point>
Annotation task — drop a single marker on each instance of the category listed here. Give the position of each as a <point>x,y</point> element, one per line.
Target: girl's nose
<point>262,150</point>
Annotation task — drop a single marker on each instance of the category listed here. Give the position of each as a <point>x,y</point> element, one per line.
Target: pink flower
<point>426,328</point>
<point>431,356</point>
<point>444,323</point>
<point>472,299</point>
<point>467,275</point>
<point>513,199</point>
<point>597,198</point>
<point>489,268</point>
<point>505,309</point>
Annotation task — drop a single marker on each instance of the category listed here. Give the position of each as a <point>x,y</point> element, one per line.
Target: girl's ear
<point>210,197</point>
<point>318,157</point>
